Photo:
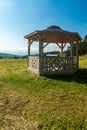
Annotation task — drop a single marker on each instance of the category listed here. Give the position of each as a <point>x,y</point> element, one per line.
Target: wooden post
<point>62,50</point>
<point>77,48</point>
<point>28,47</point>
<point>29,44</point>
<point>71,55</point>
<point>40,53</point>
<point>28,51</point>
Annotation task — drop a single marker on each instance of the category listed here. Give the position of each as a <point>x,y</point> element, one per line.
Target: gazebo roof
<point>54,34</point>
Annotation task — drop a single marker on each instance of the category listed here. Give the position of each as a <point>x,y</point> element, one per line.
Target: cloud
<point>51,47</point>
<point>10,50</point>
<point>48,48</point>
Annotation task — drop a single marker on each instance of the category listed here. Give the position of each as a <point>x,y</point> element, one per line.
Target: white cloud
<point>18,51</point>
<point>34,50</point>
<point>51,47</point>
<point>12,44</point>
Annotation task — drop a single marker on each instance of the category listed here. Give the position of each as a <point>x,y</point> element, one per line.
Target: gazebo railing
<point>56,64</point>
<point>53,64</point>
<point>33,63</point>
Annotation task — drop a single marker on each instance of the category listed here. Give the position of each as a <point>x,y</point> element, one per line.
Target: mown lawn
<point>32,102</point>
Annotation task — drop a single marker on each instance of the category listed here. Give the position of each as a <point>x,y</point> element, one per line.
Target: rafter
<point>45,45</point>
<point>62,45</point>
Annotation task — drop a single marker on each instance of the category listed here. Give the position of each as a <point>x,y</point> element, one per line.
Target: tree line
<point>83,46</point>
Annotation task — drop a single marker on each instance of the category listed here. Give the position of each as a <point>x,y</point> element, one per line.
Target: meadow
<point>32,102</point>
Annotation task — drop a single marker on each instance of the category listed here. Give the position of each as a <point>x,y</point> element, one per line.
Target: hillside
<point>32,102</point>
<point>6,55</point>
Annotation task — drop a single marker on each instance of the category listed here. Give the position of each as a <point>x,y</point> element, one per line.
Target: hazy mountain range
<point>6,55</point>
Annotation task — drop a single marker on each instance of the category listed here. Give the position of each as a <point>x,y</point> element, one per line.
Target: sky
<point>21,17</point>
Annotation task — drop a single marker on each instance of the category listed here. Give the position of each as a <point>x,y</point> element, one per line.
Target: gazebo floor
<point>52,72</point>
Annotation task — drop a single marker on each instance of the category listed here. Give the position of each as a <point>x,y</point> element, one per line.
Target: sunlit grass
<point>83,61</point>
<point>32,102</point>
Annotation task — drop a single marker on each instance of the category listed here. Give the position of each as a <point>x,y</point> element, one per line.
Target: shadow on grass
<point>80,77</point>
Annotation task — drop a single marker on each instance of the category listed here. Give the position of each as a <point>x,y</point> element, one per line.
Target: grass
<point>32,102</point>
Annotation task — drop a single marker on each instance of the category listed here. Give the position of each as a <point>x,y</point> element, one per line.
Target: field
<point>32,102</point>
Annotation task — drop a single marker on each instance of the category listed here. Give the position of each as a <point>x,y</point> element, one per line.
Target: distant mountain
<point>50,53</point>
<point>25,56</point>
<point>6,55</point>
<point>9,56</point>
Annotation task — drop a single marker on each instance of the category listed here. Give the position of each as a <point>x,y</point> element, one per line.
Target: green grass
<point>32,102</point>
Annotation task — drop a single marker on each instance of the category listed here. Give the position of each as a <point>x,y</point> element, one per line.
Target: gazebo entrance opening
<point>45,64</point>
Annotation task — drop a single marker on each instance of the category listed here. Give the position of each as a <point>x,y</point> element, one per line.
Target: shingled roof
<point>54,34</point>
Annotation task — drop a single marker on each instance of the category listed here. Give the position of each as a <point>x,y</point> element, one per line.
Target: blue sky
<point>21,17</point>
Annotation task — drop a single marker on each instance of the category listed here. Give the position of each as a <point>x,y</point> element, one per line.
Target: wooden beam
<point>71,49</point>
<point>61,46</point>
<point>71,55</point>
<point>77,48</point>
<point>31,41</point>
<point>28,47</point>
<point>45,45</point>
<point>58,45</point>
<point>40,53</point>
<point>64,44</point>
<point>62,49</point>
<point>29,44</point>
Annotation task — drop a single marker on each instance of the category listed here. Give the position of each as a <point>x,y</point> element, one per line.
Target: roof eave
<point>31,34</point>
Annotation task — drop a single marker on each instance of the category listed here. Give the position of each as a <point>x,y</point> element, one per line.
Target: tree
<point>16,57</point>
<point>1,57</point>
<point>85,38</point>
<point>83,46</point>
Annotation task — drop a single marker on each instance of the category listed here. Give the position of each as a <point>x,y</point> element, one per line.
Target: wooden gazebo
<point>49,65</point>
